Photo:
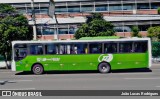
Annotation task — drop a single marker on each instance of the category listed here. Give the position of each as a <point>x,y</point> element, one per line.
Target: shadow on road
<point>88,71</point>
<point>132,70</point>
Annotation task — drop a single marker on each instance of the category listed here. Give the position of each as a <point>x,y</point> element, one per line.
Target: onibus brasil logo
<point>105,57</point>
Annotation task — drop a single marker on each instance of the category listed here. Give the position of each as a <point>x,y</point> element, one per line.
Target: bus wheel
<point>104,68</point>
<point>37,69</point>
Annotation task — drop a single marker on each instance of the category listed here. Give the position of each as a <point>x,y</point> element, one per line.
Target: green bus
<point>99,54</point>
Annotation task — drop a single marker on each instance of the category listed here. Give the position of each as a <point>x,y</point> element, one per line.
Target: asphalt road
<point>82,80</point>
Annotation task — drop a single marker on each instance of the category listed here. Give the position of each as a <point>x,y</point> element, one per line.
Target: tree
<point>4,8</point>
<point>95,26</point>
<point>158,10</point>
<point>135,31</point>
<point>154,33</point>
<point>13,26</point>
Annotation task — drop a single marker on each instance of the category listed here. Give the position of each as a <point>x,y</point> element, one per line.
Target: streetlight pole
<point>34,21</point>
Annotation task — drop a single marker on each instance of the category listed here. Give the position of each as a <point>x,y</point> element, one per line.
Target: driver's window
<point>20,51</point>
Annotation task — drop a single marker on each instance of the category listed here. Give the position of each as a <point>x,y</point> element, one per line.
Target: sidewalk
<point>2,64</point>
<point>155,64</point>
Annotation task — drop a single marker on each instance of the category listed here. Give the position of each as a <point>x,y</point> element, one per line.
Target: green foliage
<point>135,31</point>
<point>5,8</point>
<point>95,26</point>
<point>12,28</point>
<point>94,16</point>
<point>156,49</point>
<point>154,33</point>
<point>158,10</point>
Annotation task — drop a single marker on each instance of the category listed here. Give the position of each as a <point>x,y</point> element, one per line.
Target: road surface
<point>82,80</point>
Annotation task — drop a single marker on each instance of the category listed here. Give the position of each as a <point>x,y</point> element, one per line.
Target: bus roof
<point>93,40</point>
<point>99,38</point>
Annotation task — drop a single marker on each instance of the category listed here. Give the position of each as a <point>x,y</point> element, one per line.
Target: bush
<point>158,10</point>
<point>156,49</point>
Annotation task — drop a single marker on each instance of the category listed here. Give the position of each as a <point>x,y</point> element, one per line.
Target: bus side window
<point>36,49</point>
<point>74,49</point>
<point>80,48</point>
<point>86,50</point>
<point>125,47</point>
<point>140,46</point>
<point>95,48</point>
<point>110,47</point>
<point>50,49</point>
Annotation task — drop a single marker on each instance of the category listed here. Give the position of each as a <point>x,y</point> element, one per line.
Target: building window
<point>72,29</point>
<point>48,31</point>
<point>60,9</point>
<point>143,6</point>
<point>101,7</point>
<point>44,31</point>
<point>22,10</point>
<point>143,27</point>
<point>128,7</point>
<point>29,11</point>
<point>155,5</point>
<point>73,9</point>
<point>63,31</point>
<point>122,29</point>
<point>44,10</point>
<point>115,7</point>
<point>37,11</point>
<point>87,8</point>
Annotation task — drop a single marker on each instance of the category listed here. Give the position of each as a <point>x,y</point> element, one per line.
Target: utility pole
<point>57,34</point>
<point>57,24</point>
<point>34,21</point>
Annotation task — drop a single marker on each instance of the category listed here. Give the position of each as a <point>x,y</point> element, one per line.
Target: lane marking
<point>22,80</point>
<point>20,89</point>
<point>7,72</point>
<point>14,81</point>
<point>154,65</point>
<point>140,78</point>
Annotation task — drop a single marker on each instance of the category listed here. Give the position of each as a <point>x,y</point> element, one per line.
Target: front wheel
<point>37,69</point>
<point>104,68</point>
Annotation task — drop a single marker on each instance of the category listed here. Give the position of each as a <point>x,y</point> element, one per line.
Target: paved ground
<point>82,80</point>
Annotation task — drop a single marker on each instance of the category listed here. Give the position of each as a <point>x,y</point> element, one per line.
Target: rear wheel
<point>37,69</point>
<point>104,68</point>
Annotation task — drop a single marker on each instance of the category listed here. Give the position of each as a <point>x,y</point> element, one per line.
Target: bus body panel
<point>88,62</point>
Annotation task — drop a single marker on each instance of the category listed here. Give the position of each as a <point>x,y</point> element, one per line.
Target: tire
<point>37,69</point>
<point>104,68</point>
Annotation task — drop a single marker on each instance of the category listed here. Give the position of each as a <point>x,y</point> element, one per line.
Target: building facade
<point>59,19</point>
